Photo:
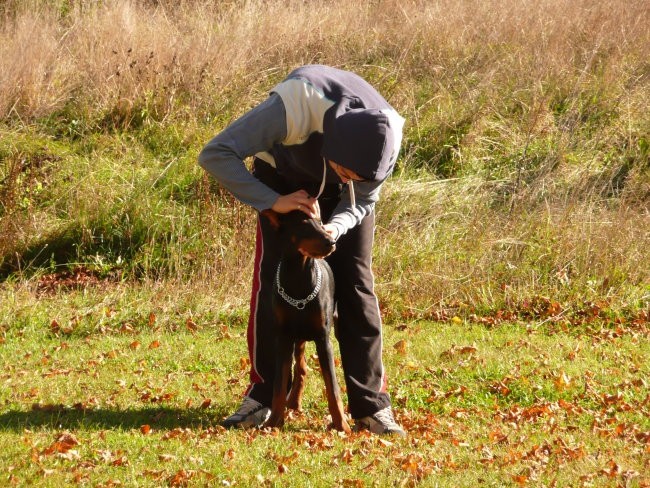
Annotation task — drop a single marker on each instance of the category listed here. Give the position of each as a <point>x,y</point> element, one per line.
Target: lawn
<point>485,402</point>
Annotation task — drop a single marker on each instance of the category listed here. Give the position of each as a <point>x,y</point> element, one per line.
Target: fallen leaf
<point>496,436</point>
<point>155,474</point>
<point>181,478</point>
<point>401,346</point>
<point>54,326</point>
<point>71,455</point>
<point>127,328</point>
<point>410,464</point>
<point>191,325</point>
<point>612,469</point>
<point>63,443</point>
<point>120,461</point>
<point>111,354</point>
<point>369,468</point>
<point>520,479</point>
<point>353,483</point>
<point>612,399</point>
<point>176,433</point>
<point>104,454</point>
<point>467,350</point>
<point>347,455</point>
<point>562,382</point>
<point>455,350</point>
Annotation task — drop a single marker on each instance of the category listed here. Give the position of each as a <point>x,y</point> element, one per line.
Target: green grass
<point>482,404</point>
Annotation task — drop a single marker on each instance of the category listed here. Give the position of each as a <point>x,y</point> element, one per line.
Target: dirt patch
<point>78,278</point>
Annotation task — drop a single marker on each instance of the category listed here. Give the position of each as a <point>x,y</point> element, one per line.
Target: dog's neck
<point>296,263</point>
<point>298,279</point>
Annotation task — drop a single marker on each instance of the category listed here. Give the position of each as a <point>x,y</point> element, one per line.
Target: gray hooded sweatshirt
<point>317,113</point>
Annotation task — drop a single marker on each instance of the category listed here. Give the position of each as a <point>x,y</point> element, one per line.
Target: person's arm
<point>254,132</point>
<point>345,216</point>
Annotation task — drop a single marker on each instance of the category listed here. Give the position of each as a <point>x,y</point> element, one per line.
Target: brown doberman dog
<point>303,307</point>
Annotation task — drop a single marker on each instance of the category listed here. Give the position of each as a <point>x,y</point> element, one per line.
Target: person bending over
<point>323,142</point>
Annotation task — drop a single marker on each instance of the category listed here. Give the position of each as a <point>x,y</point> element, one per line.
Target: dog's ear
<point>273,217</point>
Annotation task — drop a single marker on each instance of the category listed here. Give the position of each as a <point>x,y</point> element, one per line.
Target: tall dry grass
<point>110,54</point>
<point>525,153</point>
<point>442,245</point>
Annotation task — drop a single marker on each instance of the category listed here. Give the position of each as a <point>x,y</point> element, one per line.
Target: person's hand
<point>332,231</point>
<point>299,200</point>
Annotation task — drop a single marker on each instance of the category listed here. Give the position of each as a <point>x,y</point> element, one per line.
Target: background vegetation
<point>521,199</point>
<point>524,170</point>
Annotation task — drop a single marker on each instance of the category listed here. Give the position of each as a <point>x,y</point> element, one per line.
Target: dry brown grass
<point>111,54</point>
<point>536,110</point>
<point>442,246</point>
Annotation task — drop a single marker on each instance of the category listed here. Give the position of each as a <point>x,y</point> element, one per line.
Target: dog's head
<point>301,233</point>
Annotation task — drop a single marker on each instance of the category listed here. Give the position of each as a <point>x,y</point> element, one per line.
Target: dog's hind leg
<point>334,403</point>
<point>299,375</point>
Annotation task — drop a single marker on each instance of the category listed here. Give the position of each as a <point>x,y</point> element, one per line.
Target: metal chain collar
<point>299,304</point>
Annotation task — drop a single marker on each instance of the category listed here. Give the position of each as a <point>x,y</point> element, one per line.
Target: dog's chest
<point>311,323</point>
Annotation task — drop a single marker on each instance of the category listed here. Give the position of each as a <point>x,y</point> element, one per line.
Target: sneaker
<point>381,422</point>
<point>251,414</point>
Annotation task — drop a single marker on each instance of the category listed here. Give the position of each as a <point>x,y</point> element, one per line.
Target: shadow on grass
<point>61,417</point>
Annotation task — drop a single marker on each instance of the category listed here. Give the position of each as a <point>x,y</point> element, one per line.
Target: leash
<point>322,183</point>
<point>299,304</point>
<point>353,201</point>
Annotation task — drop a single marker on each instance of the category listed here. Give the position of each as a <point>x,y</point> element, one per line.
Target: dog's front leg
<point>282,370</point>
<point>334,403</point>
<point>299,375</point>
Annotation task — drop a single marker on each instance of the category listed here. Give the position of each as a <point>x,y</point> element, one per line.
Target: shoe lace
<point>248,406</point>
<point>385,416</point>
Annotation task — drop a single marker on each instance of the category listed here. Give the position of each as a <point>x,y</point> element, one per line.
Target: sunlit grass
<point>482,405</point>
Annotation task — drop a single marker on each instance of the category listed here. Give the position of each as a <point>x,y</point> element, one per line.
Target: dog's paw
<point>273,423</point>
<point>340,426</point>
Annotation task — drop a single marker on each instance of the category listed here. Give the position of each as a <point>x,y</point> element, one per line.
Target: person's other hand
<point>332,231</point>
<point>299,200</point>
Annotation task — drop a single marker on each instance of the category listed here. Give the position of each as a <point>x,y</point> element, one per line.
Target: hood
<point>361,140</point>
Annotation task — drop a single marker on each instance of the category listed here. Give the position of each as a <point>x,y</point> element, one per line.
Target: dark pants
<point>359,322</point>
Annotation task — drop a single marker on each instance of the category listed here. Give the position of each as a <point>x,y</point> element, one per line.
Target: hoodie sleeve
<point>256,131</point>
<point>345,216</point>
